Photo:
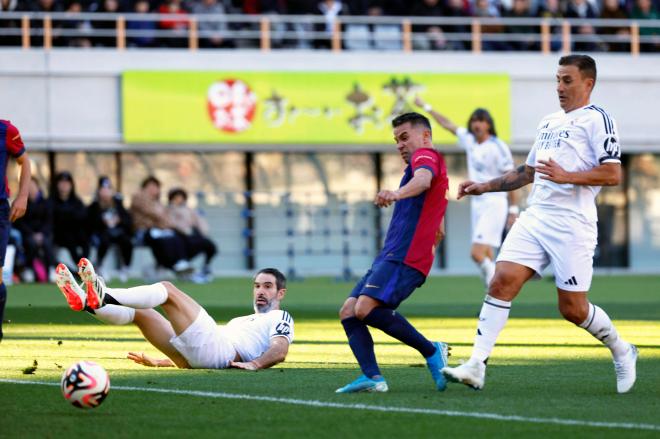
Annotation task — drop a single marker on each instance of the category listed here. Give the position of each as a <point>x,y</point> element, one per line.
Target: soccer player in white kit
<point>488,157</point>
<point>575,153</point>
<point>190,338</point>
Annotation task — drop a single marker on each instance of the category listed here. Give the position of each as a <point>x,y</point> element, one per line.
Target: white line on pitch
<point>378,408</point>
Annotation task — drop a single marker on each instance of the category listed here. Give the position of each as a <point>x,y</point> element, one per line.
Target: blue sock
<point>395,325</point>
<point>362,345</point>
<point>3,302</point>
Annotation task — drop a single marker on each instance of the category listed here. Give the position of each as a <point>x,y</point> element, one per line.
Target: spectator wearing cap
<point>154,229</point>
<point>69,217</point>
<point>194,227</point>
<point>110,224</point>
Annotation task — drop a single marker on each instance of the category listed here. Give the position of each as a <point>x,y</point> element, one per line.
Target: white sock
<point>492,318</point>
<point>142,297</point>
<point>487,267</point>
<point>115,314</point>
<point>599,325</point>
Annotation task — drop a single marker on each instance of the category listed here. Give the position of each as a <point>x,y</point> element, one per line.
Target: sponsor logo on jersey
<point>283,328</point>
<point>611,147</point>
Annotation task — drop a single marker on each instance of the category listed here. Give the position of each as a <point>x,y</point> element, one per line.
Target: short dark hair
<point>177,191</point>
<point>280,279</point>
<point>484,115</point>
<point>150,179</point>
<point>413,118</point>
<point>585,64</point>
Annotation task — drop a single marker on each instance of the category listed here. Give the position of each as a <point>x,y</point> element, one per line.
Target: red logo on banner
<point>231,105</point>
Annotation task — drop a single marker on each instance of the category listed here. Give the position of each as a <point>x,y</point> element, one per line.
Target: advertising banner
<point>298,108</point>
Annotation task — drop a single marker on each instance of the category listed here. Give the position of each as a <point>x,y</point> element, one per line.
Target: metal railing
<point>269,32</point>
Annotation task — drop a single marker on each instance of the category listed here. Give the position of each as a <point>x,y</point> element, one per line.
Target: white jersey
<point>578,141</point>
<point>251,335</point>
<point>486,161</point>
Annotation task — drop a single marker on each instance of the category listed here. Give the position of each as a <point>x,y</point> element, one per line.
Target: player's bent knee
<point>573,314</point>
<point>347,310</point>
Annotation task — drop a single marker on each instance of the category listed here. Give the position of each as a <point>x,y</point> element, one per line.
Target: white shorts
<point>488,220</point>
<point>567,243</point>
<point>204,345</point>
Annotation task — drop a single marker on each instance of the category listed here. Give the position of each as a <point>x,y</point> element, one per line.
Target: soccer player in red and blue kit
<point>11,145</point>
<point>416,228</point>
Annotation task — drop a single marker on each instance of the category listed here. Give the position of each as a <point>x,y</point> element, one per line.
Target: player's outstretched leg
<point>141,297</point>
<point>395,325</point>
<point>75,296</point>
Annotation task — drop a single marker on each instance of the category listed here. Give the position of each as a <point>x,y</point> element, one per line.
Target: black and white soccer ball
<point>85,384</point>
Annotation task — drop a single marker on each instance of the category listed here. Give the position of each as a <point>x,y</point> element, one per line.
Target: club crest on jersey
<point>611,147</point>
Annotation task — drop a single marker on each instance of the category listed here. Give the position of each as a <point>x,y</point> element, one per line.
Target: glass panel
<point>321,205</point>
<point>644,211</point>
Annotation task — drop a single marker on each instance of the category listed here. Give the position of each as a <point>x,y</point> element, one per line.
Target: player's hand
<point>552,171</point>
<point>250,365</point>
<point>419,101</point>
<point>386,198</point>
<point>470,188</point>
<point>143,359</point>
<point>18,208</point>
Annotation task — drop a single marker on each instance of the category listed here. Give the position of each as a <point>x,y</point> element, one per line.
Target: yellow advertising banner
<point>298,108</point>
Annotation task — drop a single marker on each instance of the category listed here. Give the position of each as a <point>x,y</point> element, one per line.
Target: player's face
<point>480,128</point>
<point>573,88</point>
<point>266,295</point>
<point>409,139</point>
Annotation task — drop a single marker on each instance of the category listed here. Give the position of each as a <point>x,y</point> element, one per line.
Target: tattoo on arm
<point>512,180</point>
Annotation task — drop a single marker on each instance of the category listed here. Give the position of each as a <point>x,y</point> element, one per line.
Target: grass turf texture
<point>542,367</point>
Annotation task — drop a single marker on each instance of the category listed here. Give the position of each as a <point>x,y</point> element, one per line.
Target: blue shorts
<point>5,226</point>
<point>390,282</point>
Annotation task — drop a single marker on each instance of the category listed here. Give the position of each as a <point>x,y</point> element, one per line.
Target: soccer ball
<point>85,384</point>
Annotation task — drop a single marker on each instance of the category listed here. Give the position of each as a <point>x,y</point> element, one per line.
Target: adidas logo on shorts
<point>571,281</point>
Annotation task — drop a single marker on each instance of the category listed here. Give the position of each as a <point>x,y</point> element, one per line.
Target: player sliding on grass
<point>191,338</point>
<point>575,153</point>
<point>403,264</point>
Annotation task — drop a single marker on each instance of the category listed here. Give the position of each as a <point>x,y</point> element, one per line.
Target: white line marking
<point>377,408</point>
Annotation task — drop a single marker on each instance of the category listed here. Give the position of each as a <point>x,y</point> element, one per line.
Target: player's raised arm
<point>276,353</point>
<point>512,180</point>
<point>442,120</point>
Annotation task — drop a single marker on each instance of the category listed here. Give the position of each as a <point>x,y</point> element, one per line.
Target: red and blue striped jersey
<point>11,144</point>
<point>411,237</point>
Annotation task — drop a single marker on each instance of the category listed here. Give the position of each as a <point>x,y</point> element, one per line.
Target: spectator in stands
<point>457,8</point>
<point>612,10</point>
<point>485,8</point>
<point>551,9</point>
<point>110,224</point>
<point>644,10</point>
<point>77,30</point>
<point>213,34</point>
<point>37,39</point>
<point>36,229</point>
<point>141,33</point>
<point>194,227</point>
<point>154,229</point>
<point>177,27</point>
<point>522,9</point>
<point>7,25</point>
<point>330,9</point>
<point>583,9</point>
<point>429,37</point>
<point>107,27</point>
<point>69,217</point>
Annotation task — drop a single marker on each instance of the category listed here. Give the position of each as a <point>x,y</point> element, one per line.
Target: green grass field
<point>546,377</point>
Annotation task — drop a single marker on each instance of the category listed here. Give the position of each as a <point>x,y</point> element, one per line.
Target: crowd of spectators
<point>217,33</point>
<point>175,233</point>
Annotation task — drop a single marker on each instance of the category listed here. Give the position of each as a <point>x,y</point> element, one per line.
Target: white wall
<point>70,98</point>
